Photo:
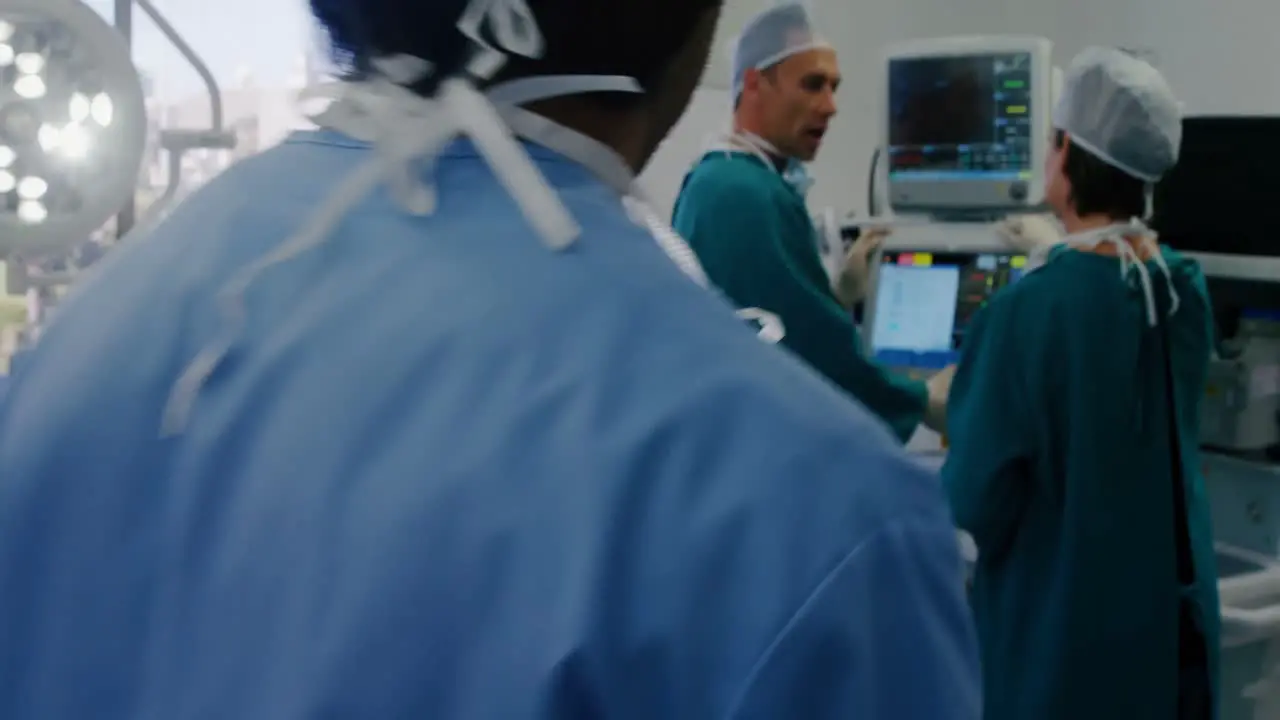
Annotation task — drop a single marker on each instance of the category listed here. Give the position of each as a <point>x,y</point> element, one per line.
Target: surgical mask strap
<point>1129,260</point>
<point>744,142</point>
<point>673,245</point>
<point>1139,228</point>
<point>799,178</point>
<point>1175,302</point>
<point>794,172</point>
<point>515,93</point>
<point>609,168</point>
<point>407,131</point>
<point>757,142</point>
<point>511,22</point>
<point>600,160</point>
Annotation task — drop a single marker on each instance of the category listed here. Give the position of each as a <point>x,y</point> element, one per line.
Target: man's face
<point>1057,188</point>
<point>797,100</point>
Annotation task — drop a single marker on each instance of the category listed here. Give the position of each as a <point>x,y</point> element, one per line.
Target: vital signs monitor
<point>968,123</point>
<point>924,296</point>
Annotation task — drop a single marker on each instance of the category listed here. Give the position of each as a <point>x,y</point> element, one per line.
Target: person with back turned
<point>424,414</point>
<point>1074,423</point>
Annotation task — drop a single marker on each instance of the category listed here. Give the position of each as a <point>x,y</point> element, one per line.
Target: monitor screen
<point>961,116</point>
<point>925,301</point>
<point>1220,196</point>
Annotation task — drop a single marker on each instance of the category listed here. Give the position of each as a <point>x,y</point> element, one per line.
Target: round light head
<point>72,124</point>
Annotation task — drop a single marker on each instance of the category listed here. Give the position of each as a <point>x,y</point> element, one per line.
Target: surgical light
<point>32,212</point>
<point>30,87</point>
<point>80,108</point>
<point>49,137</point>
<point>74,142</point>
<point>29,63</point>
<point>72,124</point>
<point>102,110</point>
<point>32,188</point>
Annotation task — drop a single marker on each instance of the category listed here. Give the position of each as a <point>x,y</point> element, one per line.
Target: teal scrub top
<point>752,233</point>
<point>1060,467</point>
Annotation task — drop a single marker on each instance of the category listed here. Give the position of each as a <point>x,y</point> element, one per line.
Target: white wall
<point>1221,57</point>
<point>861,29</point>
<point>707,114</point>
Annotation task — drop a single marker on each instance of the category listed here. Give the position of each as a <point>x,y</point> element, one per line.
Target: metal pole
<point>124,25</point>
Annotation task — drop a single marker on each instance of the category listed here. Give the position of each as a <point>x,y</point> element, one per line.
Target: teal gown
<point>752,232</point>
<point>1060,467</point>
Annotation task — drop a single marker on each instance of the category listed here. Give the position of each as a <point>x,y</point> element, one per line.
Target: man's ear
<point>753,79</point>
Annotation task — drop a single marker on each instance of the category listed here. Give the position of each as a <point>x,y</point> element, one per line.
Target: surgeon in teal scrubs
<point>742,209</point>
<point>1072,464</point>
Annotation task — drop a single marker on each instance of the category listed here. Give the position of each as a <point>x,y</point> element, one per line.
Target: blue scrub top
<point>447,473</point>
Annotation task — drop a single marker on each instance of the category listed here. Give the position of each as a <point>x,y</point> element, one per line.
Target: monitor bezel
<point>976,195</point>
<point>965,246</point>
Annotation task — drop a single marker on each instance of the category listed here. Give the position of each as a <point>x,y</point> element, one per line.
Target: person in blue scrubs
<point>1074,433</point>
<point>406,418</point>
<point>743,210</point>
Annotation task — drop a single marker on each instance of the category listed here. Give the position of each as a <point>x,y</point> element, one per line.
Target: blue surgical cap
<point>771,37</point>
<point>1119,108</point>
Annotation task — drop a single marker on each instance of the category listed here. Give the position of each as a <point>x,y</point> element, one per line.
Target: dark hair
<point>1098,188</point>
<point>633,38</point>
